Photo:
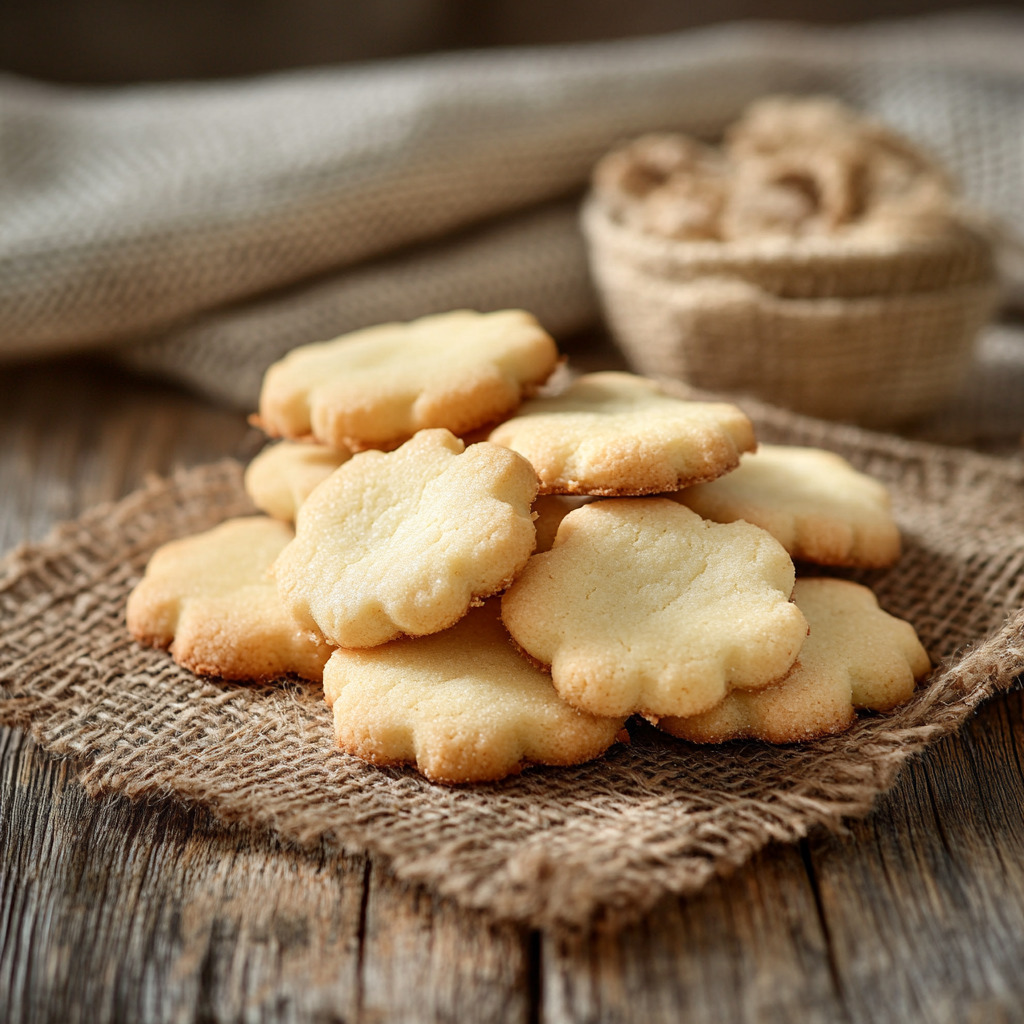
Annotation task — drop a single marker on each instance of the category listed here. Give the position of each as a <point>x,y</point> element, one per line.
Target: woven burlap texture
<point>597,842</point>
<point>169,219</point>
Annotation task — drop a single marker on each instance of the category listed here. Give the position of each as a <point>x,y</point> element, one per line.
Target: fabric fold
<point>539,252</point>
<point>134,212</point>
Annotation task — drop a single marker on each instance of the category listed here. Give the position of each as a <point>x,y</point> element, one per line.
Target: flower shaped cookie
<point>857,656</point>
<point>813,502</point>
<point>641,605</point>
<point>405,542</point>
<point>376,387</point>
<point>617,434</point>
<point>462,705</point>
<point>282,476</point>
<point>211,600</point>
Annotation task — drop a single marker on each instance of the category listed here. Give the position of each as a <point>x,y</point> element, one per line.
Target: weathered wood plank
<point>114,911</point>
<point>748,948</point>
<point>924,900</point>
<point>80,433</point>
<point>425,960</point>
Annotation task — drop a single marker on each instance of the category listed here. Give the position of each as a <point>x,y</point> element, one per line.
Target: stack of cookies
<point>609,550</point>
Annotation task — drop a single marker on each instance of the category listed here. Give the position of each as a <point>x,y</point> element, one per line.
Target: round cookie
<point>282,475</point>
<point>813,502</point>
<point>641,605</point>
<point>619,434</point>
<point>856,656</point>
<point>376,387</point>
<point>405,542</point>
<point>211,600</point>
<point>461,705</point>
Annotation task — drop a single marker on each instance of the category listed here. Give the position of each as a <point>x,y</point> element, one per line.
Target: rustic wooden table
<point>152,912</point>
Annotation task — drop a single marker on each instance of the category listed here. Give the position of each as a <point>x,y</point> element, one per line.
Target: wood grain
<point>153,912</point>
<point>747,948</point>
<point>425,960</point>
<point>121,912</point>
<point>925,899</point>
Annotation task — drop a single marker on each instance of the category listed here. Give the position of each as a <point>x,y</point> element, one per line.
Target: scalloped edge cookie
<point>405,542</point>
<point>460,706</point>
<point>283,474</point>
<point>812,501</point>
<point>642,606</point>
<point>857,656</point>
<point>617,434</point>
<point>210,600</point>
<point>376,387</point>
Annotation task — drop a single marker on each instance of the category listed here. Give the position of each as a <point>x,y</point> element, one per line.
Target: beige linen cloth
<point>205,229</point>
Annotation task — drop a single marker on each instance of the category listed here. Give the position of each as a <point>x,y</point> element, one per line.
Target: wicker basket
<point>874,330</point>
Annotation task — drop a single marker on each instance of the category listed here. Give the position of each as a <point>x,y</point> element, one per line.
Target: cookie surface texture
<point>376,387</point>
<point>619,434</point>
<point>856,657</point>
<point>813,502</point>
<point>405,542</point>
<point>461,705</point>
<point>282,475</point>
<point>641,605</point>
<point>210,599</point>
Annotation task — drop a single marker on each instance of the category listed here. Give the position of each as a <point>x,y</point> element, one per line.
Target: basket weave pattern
<point>874,333</point>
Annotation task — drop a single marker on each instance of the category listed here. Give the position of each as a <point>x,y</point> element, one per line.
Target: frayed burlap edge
<point>597,843</point>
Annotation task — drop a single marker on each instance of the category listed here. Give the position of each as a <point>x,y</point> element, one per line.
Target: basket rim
<point>968,235</point>
<point>984,290</point>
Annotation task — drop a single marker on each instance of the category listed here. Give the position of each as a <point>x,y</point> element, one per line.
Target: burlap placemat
<point>601,841</point>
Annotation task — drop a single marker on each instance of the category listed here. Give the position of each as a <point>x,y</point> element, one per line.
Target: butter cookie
<point>211,600</point>
<point>813,502</point>
<point>857,656</point>
<point>641,605</point>
<point>376,387</point>
<point>461,705</point>
<point>404,542</point>
<point>281,477</point>
<point>618,434</point>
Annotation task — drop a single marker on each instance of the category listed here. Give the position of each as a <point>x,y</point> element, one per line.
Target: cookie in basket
<point>282,475</point>
<point>210,599</point>
<point>619,434</point>
<point>816,260</point>
<point>461,705</point>
<point>813,502</point>
<point>404,542</point>
<point>376,387</point>
<point>641,605</point>
<point>857,656</point>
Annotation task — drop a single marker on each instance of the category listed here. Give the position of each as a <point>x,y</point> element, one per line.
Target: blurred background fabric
<point>199,230</point>
<point>118,41</point>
